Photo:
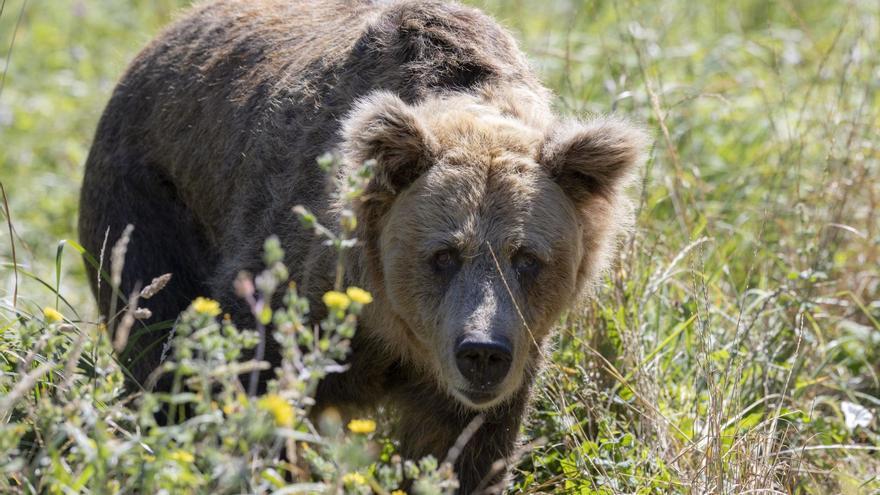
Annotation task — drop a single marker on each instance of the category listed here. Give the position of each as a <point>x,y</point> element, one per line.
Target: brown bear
<point>486,217</point>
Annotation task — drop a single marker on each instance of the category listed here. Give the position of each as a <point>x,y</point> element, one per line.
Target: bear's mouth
<point>479,397</point>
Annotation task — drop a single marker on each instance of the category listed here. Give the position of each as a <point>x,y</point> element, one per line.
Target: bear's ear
<point>384,128</point>
<point>593,157</point>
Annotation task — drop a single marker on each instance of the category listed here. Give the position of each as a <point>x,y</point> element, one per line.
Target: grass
<point>733,349</point>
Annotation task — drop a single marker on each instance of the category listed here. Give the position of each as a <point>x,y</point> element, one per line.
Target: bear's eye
<point>525,263</point>
<point>445,261</point>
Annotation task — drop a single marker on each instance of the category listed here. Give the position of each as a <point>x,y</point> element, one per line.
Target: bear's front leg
<point>431,424</point>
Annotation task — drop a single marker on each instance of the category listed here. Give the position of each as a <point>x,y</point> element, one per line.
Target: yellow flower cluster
<point>52,315</point>
<point>339,301</point>
<point>398,492</point>
<point>182,456</point>
<point>205,306</point>
<point>359,295</point>
<point>336,300</point>
<point>362,426</point>
<point>354,479</point>
<point>279,408</point>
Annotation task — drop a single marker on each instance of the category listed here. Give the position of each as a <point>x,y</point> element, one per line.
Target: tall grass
<point>735,346</point>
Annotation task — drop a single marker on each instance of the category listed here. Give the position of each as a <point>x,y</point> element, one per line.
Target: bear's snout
<point>484,364</point>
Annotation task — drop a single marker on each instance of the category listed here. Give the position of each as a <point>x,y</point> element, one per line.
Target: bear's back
<point>238,93</point>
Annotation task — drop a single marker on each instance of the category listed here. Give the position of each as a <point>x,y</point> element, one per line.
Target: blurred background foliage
<point>736,345</point>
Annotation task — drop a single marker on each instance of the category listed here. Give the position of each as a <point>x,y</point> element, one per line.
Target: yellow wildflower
<point>362,425</point>
<point>206,306</point>
<point>279,408</point>
<point>569,371</point>
<point>398,492</point>
<point>354,479</point>
<point>359,295</point>
<point>182,456</point>
<point>336,300</point>
<point>52,315</point>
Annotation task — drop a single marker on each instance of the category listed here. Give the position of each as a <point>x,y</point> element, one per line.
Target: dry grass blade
<point>21,388</point>
<point>8,217</point>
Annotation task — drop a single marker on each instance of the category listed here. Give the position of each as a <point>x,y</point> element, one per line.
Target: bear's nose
<point>483,364</point>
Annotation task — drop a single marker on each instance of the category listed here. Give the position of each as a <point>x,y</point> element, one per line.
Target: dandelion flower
<point>362,425</point>
<point>359,295</point>
<point>205,306</point>
<point>336,300</point>
<point>52,315</point>
<point>279,408</point>
<point>398,492</point>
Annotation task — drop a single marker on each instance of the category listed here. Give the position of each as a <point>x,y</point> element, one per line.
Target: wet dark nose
<point>483,364</point>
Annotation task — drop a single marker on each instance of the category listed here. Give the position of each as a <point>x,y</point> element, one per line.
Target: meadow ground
<point>735,347</point>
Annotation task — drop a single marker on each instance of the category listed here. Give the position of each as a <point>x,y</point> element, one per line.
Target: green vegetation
<point>735,347</point>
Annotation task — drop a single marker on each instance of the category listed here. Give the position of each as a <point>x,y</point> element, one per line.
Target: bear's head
<point>480,226</point>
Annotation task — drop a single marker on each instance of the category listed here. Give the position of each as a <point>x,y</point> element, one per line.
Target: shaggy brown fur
<point>211,139</point>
